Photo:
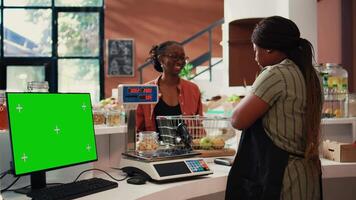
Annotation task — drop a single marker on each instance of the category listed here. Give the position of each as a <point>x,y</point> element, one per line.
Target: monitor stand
<point>38,181</point>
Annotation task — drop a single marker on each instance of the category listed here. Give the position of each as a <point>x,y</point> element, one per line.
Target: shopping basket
<point>208,132</point>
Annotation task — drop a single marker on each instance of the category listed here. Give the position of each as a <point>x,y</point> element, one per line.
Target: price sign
<point>138,94</point>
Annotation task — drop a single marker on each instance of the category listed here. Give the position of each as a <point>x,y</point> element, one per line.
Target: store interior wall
<point>150,22</point>
<point>329,31</point>
<point>337,35</point>
<point>240,9</point>
<point>354,40</point>
<point>155,21</point>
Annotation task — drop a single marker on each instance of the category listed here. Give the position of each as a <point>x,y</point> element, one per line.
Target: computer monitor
<point>49,131</point>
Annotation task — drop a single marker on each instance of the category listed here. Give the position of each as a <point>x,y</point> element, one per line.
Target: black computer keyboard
<point>73,190</point>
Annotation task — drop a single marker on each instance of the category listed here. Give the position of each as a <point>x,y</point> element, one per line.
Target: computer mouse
<point>137,180</point>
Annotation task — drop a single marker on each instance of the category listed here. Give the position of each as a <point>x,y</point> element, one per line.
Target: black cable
<point>27,186</point>
<point>3,174</point>
<point>100,171</point>
<point>7,188</point>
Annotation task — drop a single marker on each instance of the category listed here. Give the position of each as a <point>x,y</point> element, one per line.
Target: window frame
<point>51,63</point>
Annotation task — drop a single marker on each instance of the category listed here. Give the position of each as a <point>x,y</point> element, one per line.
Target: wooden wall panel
<point>243,68</point>
<point>154,21</point>
<point>347,41</point>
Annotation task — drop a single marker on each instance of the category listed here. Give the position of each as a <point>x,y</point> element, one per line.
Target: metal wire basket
<point>211,129</point>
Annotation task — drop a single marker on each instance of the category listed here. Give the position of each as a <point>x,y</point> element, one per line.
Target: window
<point>59,41</point>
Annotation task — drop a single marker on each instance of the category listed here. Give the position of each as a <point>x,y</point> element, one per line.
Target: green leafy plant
<point>186,72</point>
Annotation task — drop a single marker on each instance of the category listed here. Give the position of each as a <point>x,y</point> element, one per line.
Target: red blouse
<point>189,100</point>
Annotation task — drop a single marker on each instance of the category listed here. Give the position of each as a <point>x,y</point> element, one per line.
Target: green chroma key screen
<point>50,131</point>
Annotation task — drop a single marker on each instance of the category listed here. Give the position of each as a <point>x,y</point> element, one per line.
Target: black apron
<point>258,170</point>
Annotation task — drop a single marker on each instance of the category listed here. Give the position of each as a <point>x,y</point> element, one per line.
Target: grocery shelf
<point>344,120</point>
<point>339,129</point>
<point>105,130</point>
<point>333,169</point>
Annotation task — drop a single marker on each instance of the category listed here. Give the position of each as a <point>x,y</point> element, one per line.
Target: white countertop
<point>332,169</point>
<point>191,188</point>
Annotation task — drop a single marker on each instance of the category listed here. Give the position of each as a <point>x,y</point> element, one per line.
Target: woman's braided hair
<point>158,50</point>
<point>283,34</point>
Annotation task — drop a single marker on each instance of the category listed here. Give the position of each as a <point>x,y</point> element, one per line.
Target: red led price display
<point>147,90</point>
<point>134,90</point>
<point>140,90</point>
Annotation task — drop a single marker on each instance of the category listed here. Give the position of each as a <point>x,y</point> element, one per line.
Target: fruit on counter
<point>218,143</point>
<point>233,98</point>
<point>206,143</point>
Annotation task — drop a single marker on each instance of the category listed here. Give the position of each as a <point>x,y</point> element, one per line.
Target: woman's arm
<point>247,111</point>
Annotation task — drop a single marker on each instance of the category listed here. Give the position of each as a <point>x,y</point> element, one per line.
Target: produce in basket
<point>196,143</point>
<point>206,143</point>
<point>218,143</point>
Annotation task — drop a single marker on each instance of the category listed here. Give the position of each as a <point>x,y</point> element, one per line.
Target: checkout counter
<point>207,187</point>
<point>111,140</point>
<point>336,177</point>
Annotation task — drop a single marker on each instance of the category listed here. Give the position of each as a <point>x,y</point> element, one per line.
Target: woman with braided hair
<point>176,96</point>
<point>278,154</point>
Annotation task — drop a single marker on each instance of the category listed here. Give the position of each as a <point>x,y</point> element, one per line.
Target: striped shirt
<point>282,86</point>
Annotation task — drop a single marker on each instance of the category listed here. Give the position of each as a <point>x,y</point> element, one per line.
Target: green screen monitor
<point>50,131</point>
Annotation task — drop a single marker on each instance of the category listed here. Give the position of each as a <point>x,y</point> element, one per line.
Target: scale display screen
<point>169,169</point>
<point>181,167</point>
<point>138,94</point>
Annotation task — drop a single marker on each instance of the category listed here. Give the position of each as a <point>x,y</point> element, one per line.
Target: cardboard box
<point>341,152</point>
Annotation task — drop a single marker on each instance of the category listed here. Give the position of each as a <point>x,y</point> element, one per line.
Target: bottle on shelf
<point>335,88</point>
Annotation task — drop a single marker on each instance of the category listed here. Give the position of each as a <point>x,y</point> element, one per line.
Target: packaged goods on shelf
<point>99,117</point>
<point>113,118</point>
<point>147,141</point>
<point>335,89</point>
<point>340,152</point>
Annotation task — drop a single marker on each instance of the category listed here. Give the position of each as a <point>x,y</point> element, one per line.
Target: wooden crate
<point>341,152</point>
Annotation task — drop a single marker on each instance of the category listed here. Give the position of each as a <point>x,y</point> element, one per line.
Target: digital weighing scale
<point>166,170</point>
<point>160,165</point>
